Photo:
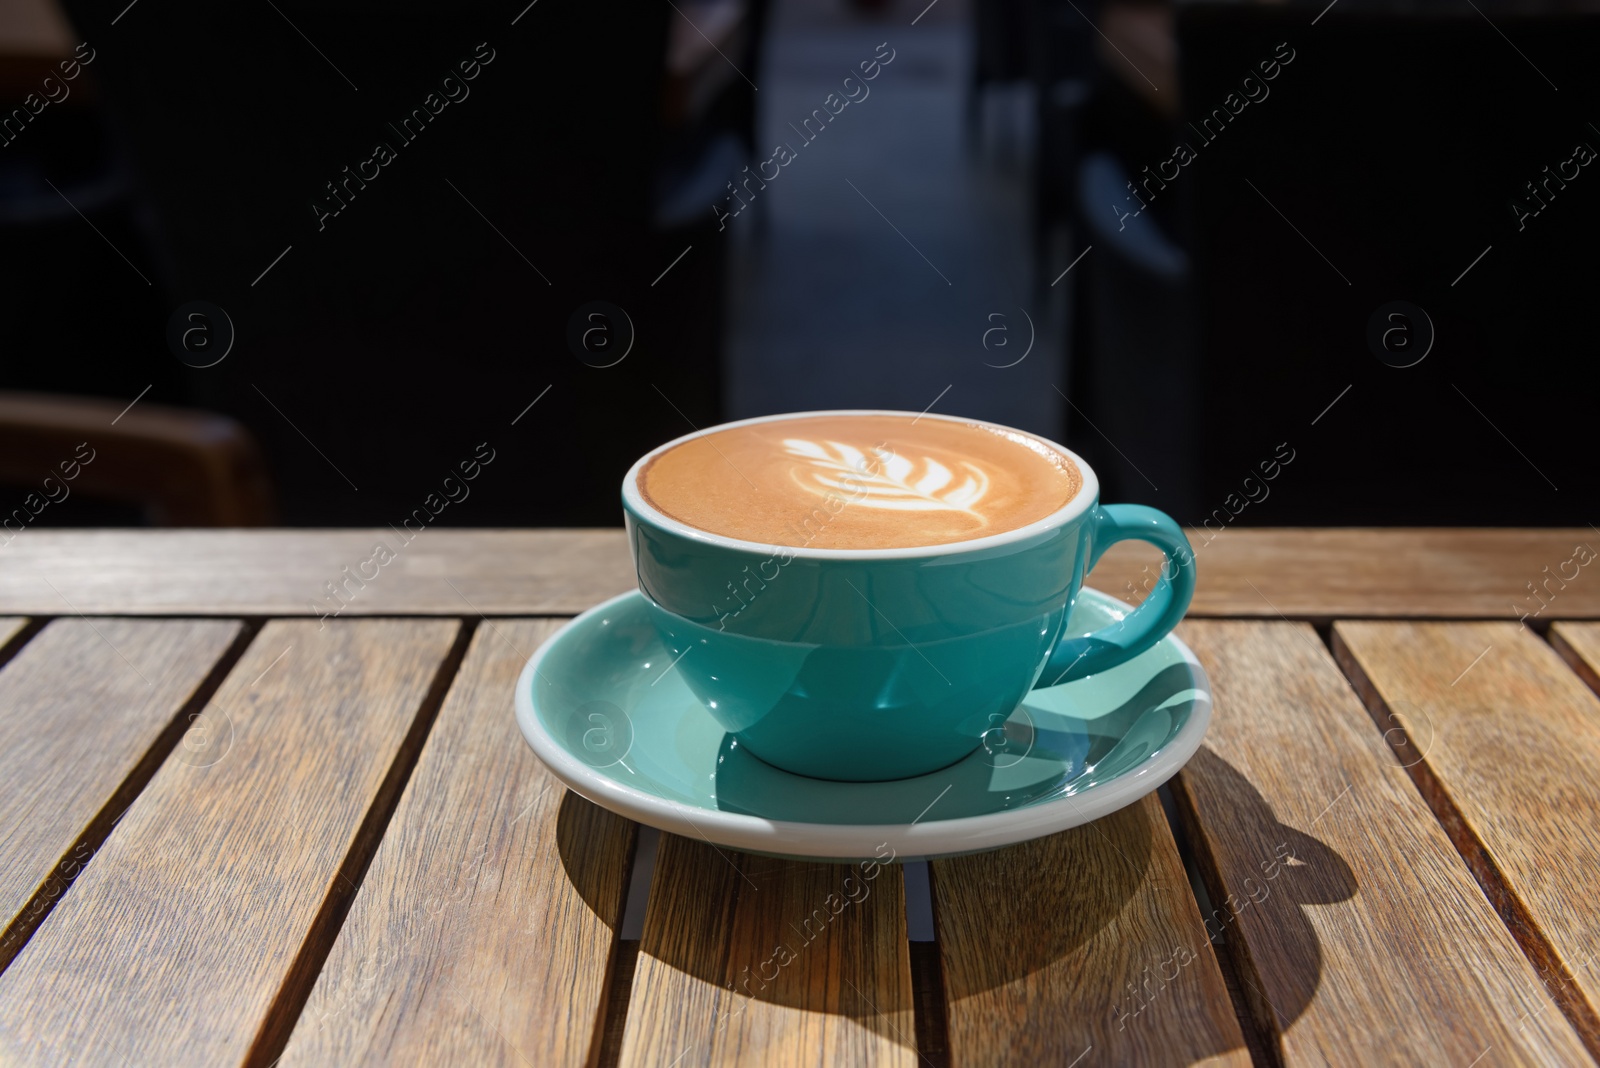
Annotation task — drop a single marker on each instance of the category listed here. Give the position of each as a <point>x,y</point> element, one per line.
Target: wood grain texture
<point>1258,573</point>
<point>1360,934</point>
<point>1086,944</point>
<point>1506,743</point>
<point>752,960</point>
<point>485,925</point>
<point>289,572</point>
<point>175,942</point>
<point>83,704</point>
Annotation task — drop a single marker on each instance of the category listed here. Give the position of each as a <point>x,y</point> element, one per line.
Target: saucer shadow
<point>1312,874</point>
<point>1052,895</point>
<point>1060,904</point>
<point>596,849</point>
<point>826,937</point>
<point>823,938</point>
<point>814,936</point>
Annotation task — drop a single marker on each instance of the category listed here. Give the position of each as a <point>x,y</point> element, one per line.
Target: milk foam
<point>887,479</point>
<point>860,480</point>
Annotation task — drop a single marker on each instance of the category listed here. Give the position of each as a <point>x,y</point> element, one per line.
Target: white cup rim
<point>1087,497</point>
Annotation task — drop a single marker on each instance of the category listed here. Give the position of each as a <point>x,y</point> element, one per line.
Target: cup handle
<point>1073,658</point>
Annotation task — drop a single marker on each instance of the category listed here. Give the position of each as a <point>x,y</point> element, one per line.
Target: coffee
<point>868,481</point>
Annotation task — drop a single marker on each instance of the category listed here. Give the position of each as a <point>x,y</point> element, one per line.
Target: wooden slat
<point>1507,743</point>
<point>287,572</point>
<point>81,706</point>
<point>1086,944</point>
<point>1259,573</point>
<point>204,906</point>
<point>1361,936</point>
<point>758,961</point>
<point>1579,646</point>
<point>485,925</point>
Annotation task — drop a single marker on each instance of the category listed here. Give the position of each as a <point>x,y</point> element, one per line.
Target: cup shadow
<point>1307,872</point>
<point>787,932</point>
<point>1095,874</point>
<point>1062,890</point>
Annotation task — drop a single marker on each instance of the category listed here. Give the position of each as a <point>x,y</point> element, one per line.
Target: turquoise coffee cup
<point>869,664</point>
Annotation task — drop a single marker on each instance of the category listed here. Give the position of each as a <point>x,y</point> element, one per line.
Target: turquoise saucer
<point>602,706</point>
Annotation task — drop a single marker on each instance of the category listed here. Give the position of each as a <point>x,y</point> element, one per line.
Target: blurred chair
<point>1064,73</point>
<point>1132,386</point>
<point>66,221</point>
<point>1000,53</point>
<point>714,51</point>
<point>184,468</point>
<point>708,137</point>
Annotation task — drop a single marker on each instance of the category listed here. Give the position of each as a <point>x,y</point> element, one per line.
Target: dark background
<point>1177,355</point>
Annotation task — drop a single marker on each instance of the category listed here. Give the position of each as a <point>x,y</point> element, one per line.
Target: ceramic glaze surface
<point>603,706</point>
<point>878,664</point>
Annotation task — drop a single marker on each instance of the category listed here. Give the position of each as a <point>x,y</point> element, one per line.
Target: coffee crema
<point>860,481</point>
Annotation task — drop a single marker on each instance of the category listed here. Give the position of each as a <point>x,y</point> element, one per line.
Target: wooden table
<point>233,832</point>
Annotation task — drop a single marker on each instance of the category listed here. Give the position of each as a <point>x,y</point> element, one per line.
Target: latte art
<point>888,480</point>
<point>860,481</point>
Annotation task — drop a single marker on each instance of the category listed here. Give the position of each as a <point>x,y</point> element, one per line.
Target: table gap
<point>929,999</point>
<point>1490,879</point>
<point>23,636</point>
<point>930,1024</point>
<point>279,1021</point>
<point>1580,667</point>
<point>55,886</point>
<point>918,901</point>
<point>640,876</point>
<point>619,990</point>
<point>613,1017</point>
<point>1261,1039</point>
